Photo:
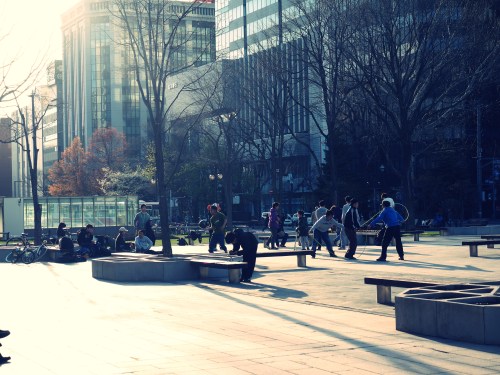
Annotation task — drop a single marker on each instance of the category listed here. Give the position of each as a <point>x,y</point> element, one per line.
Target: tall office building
<point>251,32</point>
<point>99,86</point>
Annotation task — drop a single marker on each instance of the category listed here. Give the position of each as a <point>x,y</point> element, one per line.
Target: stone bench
<point>474,244</point>
<point>416,234</point>
<point>234,268</point>
<point>300,254</point>
<point>384,287</point>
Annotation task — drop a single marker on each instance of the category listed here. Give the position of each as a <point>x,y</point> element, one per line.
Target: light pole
<point>216,178</point>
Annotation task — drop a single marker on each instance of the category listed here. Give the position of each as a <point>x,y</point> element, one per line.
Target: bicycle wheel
<point>40,252</point>
<point>28,257</point>
<point>11,257</point>
<point>15,241</point>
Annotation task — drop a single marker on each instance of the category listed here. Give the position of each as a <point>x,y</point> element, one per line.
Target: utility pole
<point>479,174</point>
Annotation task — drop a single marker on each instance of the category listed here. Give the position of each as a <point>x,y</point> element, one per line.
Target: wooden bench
<point>474,244</point>
<point>300,254</point>
<point>384,287</point>
<point>491,237</point>
<point>233,268</point>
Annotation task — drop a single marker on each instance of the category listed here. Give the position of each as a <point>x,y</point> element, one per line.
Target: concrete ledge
<point>143,267</point>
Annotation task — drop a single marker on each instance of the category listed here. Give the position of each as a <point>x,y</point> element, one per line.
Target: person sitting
<point>85,240</point>
<point>61,230</point>
<point>120,243</point>
<point>142,243</point>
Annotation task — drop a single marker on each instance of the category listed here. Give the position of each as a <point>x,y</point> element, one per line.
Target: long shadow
<point>413,363</point>
<point>275,292</point>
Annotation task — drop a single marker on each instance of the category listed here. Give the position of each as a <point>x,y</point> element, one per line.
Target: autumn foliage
<point>78,172</point>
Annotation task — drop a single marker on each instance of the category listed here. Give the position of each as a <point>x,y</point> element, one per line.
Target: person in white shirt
<point>344,241</point>
<point>142,243</point>
<point>320,232</point>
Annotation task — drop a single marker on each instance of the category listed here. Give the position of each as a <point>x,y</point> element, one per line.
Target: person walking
<point>218,223</point>
<point>392,220</point>
<point>303,230</point>
<point>320,232</point>
<point>248,243</point>
<point>273,225</point>
<point>351,224</point>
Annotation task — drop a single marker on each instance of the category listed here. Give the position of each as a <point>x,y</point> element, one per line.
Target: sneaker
<point>350,258</point>
<point>401,258</point>
<point>381,260</point>
<point>211,251</point>
<point>4,334</point>
<point>333,255</point>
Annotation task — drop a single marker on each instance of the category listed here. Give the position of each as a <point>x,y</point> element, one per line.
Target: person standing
<point>273,225</point>
<point>320,232</point>
<point>248,243</point>
<point>303,230</point>
<point>392,220</point>
<point>217,225</point>
<point>317,214</point>
<point>149,231</point>
<point>351,224</point>
<point>141,218</point>
<point>343,237</point>
<point>380,235</point>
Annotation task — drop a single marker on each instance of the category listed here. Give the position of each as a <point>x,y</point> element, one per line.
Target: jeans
<point>273,238</point>
<point>217,238</point>
<point>318,236</point>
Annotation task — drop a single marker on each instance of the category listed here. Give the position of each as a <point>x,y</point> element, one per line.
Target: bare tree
<point>417,62</point>
<point>26,126</point>
<point>325,30</point>
<point>155,34</point>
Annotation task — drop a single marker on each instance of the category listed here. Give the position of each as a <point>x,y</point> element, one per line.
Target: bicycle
<point>24,254</point>
<point>19,241</point>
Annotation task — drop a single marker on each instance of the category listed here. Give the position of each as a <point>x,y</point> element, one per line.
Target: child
<point>303,230</point>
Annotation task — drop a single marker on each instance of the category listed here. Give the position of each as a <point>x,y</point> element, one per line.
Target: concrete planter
<point>463,312</point>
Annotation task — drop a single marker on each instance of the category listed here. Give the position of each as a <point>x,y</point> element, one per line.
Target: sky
<point>29,31</point>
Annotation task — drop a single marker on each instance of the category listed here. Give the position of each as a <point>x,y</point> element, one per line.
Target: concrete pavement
<point>319,320</point>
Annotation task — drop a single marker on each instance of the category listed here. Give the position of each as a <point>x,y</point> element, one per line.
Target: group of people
<point>144,240</point>
<point>346,222</point>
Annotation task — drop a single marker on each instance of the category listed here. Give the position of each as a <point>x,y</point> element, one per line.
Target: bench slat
<point>397,283</point>
<point>269,254</point>
<point>483,242</point>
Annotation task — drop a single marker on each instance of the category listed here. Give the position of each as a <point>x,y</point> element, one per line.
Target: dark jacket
<point>248,242</point>
<point>351,219</point>
<point>84,238</point>
<point>303,228</point>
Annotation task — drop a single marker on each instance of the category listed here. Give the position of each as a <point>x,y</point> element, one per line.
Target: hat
<point>123,229</point>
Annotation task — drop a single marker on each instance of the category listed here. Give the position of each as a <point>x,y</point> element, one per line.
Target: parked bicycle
<point>21,254</point>
<point>18,241</point>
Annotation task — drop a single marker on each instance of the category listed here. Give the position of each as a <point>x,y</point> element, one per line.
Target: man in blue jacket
<point>392,220</point>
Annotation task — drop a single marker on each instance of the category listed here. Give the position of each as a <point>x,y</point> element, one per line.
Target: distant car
<point>288,220</point>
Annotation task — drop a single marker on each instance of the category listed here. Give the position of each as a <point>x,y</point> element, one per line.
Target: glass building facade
<point>99,85</point>
<point>79,211</point>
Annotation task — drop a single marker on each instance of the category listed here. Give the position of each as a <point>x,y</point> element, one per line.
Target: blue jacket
<point>389,216</point>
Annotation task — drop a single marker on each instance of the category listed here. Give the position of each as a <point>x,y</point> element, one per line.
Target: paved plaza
<point>319,320</point>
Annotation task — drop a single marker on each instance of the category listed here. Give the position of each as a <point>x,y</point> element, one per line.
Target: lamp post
<point>216,178</point>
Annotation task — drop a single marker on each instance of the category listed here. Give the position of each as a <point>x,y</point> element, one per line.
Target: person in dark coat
<point>61,230</point>
<point>120,243</point>
<point>248,243</point>
<point>149,231</point>
<point>351,224</point>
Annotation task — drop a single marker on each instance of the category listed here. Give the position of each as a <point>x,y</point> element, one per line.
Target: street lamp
<point>216,178</point>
